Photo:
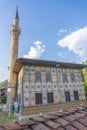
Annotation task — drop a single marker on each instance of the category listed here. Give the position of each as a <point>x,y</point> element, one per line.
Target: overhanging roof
<point>34,62</point>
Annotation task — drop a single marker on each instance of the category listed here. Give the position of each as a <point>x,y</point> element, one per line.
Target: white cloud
<point>76,41</point>
<point>62,54</point>
<point>61,31</point>
<point>35,51</point>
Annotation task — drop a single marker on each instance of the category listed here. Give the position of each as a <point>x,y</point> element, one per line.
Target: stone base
<point>51,107</point>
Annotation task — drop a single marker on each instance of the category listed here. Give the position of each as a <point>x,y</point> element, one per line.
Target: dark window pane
<point>50,97</point>
<point>67,96</point>
<point>65,77</point>
<point>73,77</point>
<point>38,98</point>
<point>48,76</point>
<point>76,97</point>
<point>37,76</point>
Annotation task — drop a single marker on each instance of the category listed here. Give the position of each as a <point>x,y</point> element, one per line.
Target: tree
<point>84,76</point>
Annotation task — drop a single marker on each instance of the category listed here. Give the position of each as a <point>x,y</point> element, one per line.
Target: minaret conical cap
<point>16,14</point>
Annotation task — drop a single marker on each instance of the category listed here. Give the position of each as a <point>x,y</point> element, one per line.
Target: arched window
<point>48,77</point>
<point>37,76</point>
<point>73,77</point>
<point>65,77</point>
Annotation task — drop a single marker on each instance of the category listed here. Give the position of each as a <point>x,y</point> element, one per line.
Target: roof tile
<point>52,124</point>
<point>39,119</point>
<point>60,128</point>
<point>83,112</point>
<point>70,127</point>
<point>13,126</point>
<point>50,117</point>
<point>85,118</point>
<point>27,129</point>
<point>2,128</point>
<point>40,126</point>
<point>26,122</point>
<point>72,119</point>
<point>62,121</point>
<point>79,125</point>
<point>82,121</point>
<point>68,118</point>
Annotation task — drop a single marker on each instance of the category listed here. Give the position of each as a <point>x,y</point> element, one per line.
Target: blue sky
<point>51,30</point>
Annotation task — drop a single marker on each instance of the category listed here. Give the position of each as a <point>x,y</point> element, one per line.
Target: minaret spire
<point>16,14</point>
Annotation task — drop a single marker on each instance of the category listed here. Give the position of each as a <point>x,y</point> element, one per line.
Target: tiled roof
<point>72,119</point>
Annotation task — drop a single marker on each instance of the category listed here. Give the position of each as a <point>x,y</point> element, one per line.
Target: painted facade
<point>44,85</point>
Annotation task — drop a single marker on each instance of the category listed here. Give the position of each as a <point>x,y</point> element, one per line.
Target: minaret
<point>12,78</point>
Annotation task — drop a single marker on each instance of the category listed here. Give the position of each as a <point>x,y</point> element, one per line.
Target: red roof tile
<point>82,121</point>
<point>60,128</point>
<point>62,121</point>
<point>72,119</point>
<point>70,127</point>
<point>68,118</point>
<point>78,125</point>
<point>2,128</point>
<point>52,124</point>
<point>40,126</point>
<point>14,126</point>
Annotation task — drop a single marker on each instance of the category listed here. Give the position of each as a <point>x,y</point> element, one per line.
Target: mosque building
<point>35,82</point>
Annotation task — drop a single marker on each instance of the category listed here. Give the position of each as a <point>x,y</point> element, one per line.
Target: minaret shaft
<point>12,78</point>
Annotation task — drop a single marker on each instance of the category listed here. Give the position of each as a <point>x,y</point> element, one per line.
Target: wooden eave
<point>34,62</point>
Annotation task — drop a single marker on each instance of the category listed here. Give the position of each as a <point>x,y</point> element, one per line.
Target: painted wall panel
<point>37,68</point>
<point>43,70</point>
<point>54,78</point>
<point>26,87</point>
<point>38,87</point>
<point>32,69</point>
<point>32,87</point>
<point>55,86</point>
<point>53,71</point>
<point>32,77</point>
<point>62,96</point>
<point>43,78</point>
<point>49,86</point>
<point>44,86</point>
<point>44,98</point>
<point>56,96</point>
<point>26,99</point>
<point>32,98</point>
<point>48,69</point>
<point>61,87</point>
<point>26,77</point>
<point>80,94</point>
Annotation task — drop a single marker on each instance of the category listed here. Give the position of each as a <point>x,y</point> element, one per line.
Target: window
<point>48,77</point>
<point>67,96</point>
<point>50,97</point>
<point>73,77</point>
<point>65,77</point>
<point>76,97</point>
<point>37,76</point>
<point>60,78</point>
<point>38,98</point>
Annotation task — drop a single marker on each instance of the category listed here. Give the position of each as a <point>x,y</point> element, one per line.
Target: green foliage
<point>5,119</point>
<point>85,86</point>
<point>84,76</point>
<point>4,83</point>
<point>3,100</point>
